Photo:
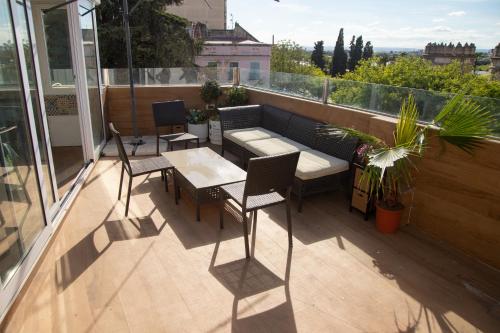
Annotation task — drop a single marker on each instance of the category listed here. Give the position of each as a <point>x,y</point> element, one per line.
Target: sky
<point>386,23</point>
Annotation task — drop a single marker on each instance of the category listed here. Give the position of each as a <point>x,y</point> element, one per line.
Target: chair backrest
<point>270,173</point>
<point>169,113</point>
<point>119,144</point>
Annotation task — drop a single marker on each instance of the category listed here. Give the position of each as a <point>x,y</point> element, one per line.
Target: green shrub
<point>237,96</point>
<point>210,91</point>
<point>196,116</point>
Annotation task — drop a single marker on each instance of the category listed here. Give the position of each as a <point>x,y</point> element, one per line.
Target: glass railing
<point>371,97</point>
<point>387,99</point>
<point>167,76</point>
<point>304,86</point>
<point>376,98</point>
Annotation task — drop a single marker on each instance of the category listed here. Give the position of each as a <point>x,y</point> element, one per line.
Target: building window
<point>254,71</point>
<point>231,66</point>
<point>212,70</point>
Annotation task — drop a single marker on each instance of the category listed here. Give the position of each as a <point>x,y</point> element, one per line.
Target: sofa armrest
<point>236,117</point>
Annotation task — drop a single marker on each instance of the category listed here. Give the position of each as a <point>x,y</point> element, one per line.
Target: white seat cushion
<point>314,164</point>
<point>274,146</point>
<point>244,135</point>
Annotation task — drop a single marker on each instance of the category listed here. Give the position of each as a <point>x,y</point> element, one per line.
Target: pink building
<point>226,49</point>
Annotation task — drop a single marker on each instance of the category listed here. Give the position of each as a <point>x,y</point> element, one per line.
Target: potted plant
<point>210,92</point>
<point>197,123</point>
<point>390,168</point>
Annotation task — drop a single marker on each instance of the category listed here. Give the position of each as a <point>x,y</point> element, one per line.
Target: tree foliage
<point>289,57</point>
<point>368,50</point>
<point>318,55</point>
<point>159,39</point>
<point>355,53</point>
<point>339,62</point>
<point>416,72</point>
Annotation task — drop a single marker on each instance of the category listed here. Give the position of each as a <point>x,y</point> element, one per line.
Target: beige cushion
<point>314,164</point>
<point>274,146</point>
<point>244,135</point>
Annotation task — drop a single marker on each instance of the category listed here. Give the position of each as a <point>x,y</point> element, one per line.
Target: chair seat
<point>148,165</point>
<point>244,135</point>
<point>178,137</point>
<point>314,164</point>
<point>274,146</point>
<point>235,191</point>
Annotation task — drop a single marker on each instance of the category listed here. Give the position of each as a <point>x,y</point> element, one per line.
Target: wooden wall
<point>118,105</point>
<point>457,196</point>
<point>456,199</point>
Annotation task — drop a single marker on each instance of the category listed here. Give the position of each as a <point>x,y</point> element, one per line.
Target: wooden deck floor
<point>162,271</point>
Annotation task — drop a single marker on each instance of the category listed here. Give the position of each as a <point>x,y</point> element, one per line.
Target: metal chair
<point>171,113</point>
<point>266,178</point>
<point>138,168</point>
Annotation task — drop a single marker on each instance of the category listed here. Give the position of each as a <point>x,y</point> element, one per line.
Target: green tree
<point>289,57</point>
<point>339,62</point>
<point>352,47</point>
<point>317,55</point>
<point>368,50</point>
<point>159,39</point>
<point>416,72</point>
<point>356,52</point>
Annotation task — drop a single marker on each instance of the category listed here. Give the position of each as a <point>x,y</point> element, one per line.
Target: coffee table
<point>200,172</point>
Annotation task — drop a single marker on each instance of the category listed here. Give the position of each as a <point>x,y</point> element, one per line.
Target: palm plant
<point>391,168</point>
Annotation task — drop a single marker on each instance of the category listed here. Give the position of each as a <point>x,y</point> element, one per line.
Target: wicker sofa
<point>263,130</point>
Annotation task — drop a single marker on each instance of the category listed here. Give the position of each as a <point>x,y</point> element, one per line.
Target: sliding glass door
<point>51,124</point>
<point>92,72</point>
<point>21,212</point>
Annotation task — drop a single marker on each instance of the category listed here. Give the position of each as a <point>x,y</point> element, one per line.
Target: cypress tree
<point>356,52</point>
<point>339,62</point>
<point>352,50</point>
<point>317,55</point>
<point>368,50</point>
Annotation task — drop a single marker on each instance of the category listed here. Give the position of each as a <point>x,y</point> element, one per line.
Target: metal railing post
<point>326,85</point>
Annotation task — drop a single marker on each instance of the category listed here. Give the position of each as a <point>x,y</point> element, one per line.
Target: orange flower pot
<point>388,220</point>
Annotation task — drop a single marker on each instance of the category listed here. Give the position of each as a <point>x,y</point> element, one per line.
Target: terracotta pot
<point>388,220</point>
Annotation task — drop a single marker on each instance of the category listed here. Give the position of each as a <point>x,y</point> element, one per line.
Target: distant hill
<point>376,49</point>
<point>387,49</point>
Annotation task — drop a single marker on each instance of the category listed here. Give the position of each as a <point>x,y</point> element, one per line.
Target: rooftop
<point>159,270</point>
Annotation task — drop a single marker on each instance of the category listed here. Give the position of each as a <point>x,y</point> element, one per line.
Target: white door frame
<point>43,113</point>
<point>52,216</point>
<point>12,287</point>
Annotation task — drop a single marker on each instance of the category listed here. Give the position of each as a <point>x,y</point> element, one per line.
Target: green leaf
<point>387,157</point>
<point>464,123</point>
<point>346,132</point>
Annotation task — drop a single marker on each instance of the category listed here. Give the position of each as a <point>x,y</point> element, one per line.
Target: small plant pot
<point>215,132</point>
<point>388,220</point>
<point>200,130</point>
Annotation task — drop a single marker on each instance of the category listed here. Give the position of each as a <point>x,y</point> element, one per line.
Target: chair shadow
<point>83,254</point>
<point>182,217</point>
<point>248,277</point>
